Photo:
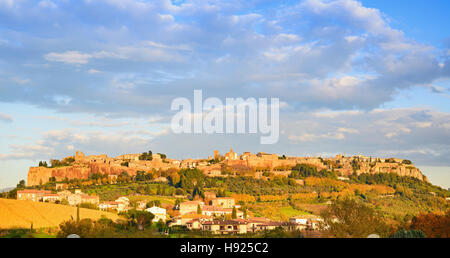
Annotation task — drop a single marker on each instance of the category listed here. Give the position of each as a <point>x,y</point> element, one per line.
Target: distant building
<point>225,227</point>
<point>74,199</point>
<point>188,207</point>
<point>93,199</point>
<point>79,197</point>
<point>194,224</point>
<point>214,211</point>
<point>123,202</point>
<point>51,198</point>
<point>64,194</point>
<point>109,206</point>
<point>32,195</point>
<point>160,213</point>
<point>216,154</point>
<point>231,155</point>
<point>224,202</point>
<point>184,219</point>
<point>296,220</point>
<point>209,196</point>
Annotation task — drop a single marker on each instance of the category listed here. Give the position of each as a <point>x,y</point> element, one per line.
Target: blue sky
<point>362,77</point>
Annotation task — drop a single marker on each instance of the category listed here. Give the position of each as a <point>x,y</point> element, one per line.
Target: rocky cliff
<point>41,175</point>
<point>83,166</point>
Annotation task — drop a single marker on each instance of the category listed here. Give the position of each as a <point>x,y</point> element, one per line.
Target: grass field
<point>291,212</point>
<point>21,214</point>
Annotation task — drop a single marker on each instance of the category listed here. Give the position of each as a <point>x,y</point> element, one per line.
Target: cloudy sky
<point>365,77</point>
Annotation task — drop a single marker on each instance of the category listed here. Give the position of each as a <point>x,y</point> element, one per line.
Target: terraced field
<point>21,214</point>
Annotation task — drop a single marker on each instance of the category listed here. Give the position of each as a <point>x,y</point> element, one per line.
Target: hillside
<point>83,167</point>
<point>20,214</point>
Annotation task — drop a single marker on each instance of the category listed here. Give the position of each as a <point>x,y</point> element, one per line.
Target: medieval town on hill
<point>209,211</point>
<point>248,164</point>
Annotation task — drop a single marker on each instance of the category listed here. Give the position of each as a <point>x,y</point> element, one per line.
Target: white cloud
<point>310,137</point>
<point>93,71</point>
<point>69,57</point>
<point>5,118</point>
<point>47,4</point>
<point>61,143</point>
<point>20,80</point>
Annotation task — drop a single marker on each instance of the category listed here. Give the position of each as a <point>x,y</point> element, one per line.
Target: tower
<point>216,154</point>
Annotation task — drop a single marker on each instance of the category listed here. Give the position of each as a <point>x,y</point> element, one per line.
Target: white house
<point>109,205</point>
<point>160,213</point>
<point>123,200</point>
<point>123,203</point>
<point>301,221</point>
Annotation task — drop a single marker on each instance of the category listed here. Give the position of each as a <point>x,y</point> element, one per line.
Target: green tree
<point>233,213</point>
<point>78,213</point>
<point>199,209</point>
<point>153,203</point>
<point>21,184</point>
<point>191,178</point>
<point>88,205</point>
<point>349,218</point>
<point>140,219</point>
<point>146,156</point>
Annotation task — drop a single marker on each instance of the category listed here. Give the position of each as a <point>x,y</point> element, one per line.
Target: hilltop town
<point>81,166</point>
<point>231,193</point>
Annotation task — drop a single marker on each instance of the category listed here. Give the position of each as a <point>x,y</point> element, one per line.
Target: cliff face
<point>396,168</point>
<point>399,169</point>
<point>41,175</point>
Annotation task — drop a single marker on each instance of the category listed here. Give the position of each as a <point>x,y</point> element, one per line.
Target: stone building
<point>32,195</point>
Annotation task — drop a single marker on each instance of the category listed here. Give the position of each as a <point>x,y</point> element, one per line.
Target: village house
<point>306,221</point>
<point>74,199</point>
<point>314,224</point>
<point>252,224</point>
<point>109,206</point>
<point>51,198</point>
<point>160,213</point>
<point>32,195</point>
<point>301,220</point>
<point>191,206</point>
<point>194,224</point>
<point>64,194</point>
<point>124,200</point>
<point>79,197</point>
<point>209,195</point>
<point>224,202</point>
<point>214,211</point>
<point>225,227</point>
<point>93,199</point>
<point>121,204</point>
<point>182,220</point>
